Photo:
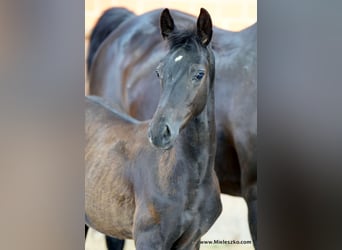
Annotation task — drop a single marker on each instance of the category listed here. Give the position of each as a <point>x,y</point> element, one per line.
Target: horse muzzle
<point>161,136</point>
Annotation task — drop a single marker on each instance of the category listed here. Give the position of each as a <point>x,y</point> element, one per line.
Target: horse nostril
<point>166,132</point>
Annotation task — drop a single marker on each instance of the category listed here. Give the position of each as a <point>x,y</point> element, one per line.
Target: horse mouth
<point>164,146</point>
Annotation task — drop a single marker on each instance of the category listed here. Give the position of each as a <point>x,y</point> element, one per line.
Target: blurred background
<point>233,15</point>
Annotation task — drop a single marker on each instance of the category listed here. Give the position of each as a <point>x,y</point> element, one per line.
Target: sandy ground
<point>231,225</point>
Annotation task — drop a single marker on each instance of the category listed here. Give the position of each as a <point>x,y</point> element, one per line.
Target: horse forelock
<point>184,38</point>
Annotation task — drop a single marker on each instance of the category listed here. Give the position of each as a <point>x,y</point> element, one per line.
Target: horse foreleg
<point>86,231</point>
<point>251,200</point>
<point>114,244</point>
<point>148,240</point>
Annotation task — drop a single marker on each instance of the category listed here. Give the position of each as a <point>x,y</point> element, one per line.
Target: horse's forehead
<point>182,56</point>
<point>178,55</point>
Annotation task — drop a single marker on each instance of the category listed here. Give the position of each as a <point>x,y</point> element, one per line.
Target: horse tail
<point>109,21</point>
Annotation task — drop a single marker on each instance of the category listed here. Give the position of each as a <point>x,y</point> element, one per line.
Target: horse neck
<point>199,137</point>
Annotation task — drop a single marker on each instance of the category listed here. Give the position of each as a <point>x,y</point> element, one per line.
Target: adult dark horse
<point>121,73</point>
<point>163,193</point>
<point>109,20</point>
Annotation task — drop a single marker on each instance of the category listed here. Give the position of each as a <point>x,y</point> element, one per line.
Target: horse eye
<point>199,75</point>
<point>157,73</point>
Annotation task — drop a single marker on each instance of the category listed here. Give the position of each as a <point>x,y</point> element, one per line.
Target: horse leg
<point>86,231</point>
<point>147,231</point>
<point>114,244</point>
<point>248,168</point>
<point>197,245</point>
<point>147,240</point>
<point>251,200</point>
<point>193,245</point>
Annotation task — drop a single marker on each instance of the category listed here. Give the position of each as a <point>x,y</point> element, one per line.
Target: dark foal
<point>121,74</point>
<point>154,181</point>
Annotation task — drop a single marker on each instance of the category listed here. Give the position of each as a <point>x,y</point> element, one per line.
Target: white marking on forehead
<point>178,58</point>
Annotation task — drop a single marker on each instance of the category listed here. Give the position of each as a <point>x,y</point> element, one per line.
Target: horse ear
<point>204,27</point>
<point>166,23</point>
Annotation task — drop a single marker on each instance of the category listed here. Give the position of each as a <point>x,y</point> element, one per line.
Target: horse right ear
<point>166,23</point>
<point>204,27</point>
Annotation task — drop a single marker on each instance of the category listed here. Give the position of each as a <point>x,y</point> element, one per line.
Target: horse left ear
<point>204,27</point>
<point>167,25</point>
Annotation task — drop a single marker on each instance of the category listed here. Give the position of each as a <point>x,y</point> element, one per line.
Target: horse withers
<point>154,181</point>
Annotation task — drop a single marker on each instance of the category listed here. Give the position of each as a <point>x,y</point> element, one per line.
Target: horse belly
<point>110,210</point>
